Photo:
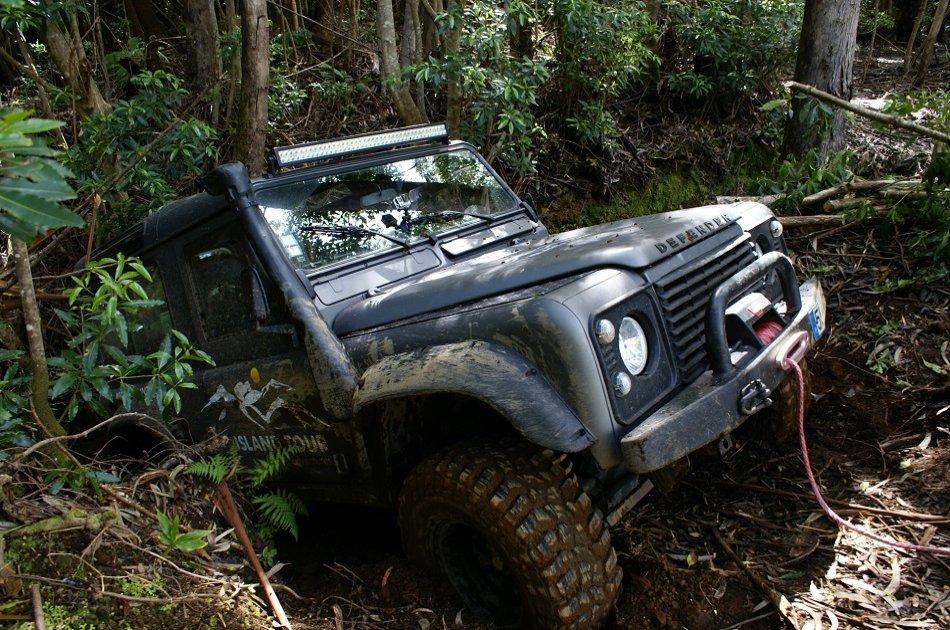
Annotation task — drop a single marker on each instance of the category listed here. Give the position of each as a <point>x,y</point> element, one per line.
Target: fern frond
<point>216,468</point>
<point>269,466</point>
<point>280,510</point>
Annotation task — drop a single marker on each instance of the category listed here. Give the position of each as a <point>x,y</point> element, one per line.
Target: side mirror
<point>255,289</point>
<point>528,200</point>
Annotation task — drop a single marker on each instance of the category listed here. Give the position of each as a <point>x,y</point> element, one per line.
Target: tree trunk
<point>825,61</point>
<point>255,64</point>
<point>453,106</point>
<point>939,14</point>
<point>30,67</point>
<point>389,66</point>
<point>70,60</point>
<point>201,37</point>
<point>909,51</point>
<point>34,340</point>
<point>231,23</point>
<point>143,21</point>
<point>521,39</point>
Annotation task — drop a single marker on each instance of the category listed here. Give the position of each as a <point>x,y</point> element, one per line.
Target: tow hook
<point>754,397</point>
<point>793,351</point>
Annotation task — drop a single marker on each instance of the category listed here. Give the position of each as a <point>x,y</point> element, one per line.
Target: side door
<point>261,394</point>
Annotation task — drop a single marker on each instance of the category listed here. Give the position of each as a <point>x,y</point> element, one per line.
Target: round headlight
<point>633,345</point>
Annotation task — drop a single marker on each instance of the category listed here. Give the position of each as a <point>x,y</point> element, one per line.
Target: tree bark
<point>30,67</point>
<point>928,47</point>
<point>34,339</point>
<point>825,60</point>
<point>389,65</point>
<point>201,30</point>
<point>251,129</point>
<point>453,106</point>
<point>912,38</point>
<point>143,21</point>
<point>70,60</point>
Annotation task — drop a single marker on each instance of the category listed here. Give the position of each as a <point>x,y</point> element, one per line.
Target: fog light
<point>776,228</point>
<point>604,331</point>
<point>622,384</point>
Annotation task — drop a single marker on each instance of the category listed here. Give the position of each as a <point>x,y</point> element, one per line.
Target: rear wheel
<point>513,533</point>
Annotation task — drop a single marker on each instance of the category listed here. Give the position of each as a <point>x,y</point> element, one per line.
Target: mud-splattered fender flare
<point>493,374</point>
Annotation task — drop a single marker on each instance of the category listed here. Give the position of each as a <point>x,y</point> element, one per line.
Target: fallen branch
<point>887,119</point>
<point>225,503</point>
<point>778,600</point>
<point>818,220</point>
<point>75,436</point>
<point>72,519</point>
<point>39,622</point>
<point>853,186</point>
<point>837,205</point>
<point>61,583</point>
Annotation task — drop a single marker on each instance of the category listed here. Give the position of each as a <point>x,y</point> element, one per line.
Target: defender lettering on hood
<point>694,233</point>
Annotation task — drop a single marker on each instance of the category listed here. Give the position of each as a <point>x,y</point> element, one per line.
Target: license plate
<point>817,320</point>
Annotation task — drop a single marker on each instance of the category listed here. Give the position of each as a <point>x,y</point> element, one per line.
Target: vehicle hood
<point>632,243</point>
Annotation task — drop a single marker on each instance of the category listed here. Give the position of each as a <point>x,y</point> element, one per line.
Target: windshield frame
<point>432,237</point>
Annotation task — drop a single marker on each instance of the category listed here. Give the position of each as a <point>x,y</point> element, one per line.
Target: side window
<point>147,333</point>
<point>223,295</point>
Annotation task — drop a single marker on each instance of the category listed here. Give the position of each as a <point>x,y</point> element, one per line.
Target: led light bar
<point>282,157</point>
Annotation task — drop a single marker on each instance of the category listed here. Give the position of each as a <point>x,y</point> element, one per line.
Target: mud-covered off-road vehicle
<point>388,306</point>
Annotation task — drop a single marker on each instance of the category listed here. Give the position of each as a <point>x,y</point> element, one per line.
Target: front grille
<point>683,296</point>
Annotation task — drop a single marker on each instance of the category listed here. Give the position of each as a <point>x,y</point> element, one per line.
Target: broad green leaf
<point>10,355</point>
<point>44,188</point>
<point>63,384</point>
<point>16,228</point>
<point>192,541</point>
<point>37,211</point>
<point>32,125</point>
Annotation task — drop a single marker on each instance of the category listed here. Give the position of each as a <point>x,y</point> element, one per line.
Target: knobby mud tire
<point>541,530</point>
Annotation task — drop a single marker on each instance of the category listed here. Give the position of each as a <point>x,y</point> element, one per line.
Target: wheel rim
<point>479,574</point>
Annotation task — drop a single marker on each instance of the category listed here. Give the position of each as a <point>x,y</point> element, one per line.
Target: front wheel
<point>511,530</point>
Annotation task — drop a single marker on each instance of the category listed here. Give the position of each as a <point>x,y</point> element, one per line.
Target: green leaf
<point>102,476</point>
<point>935,368</point>
<point>168,528</point>
<point>17,229</point>
<point>63,384</point>
<point>774,104</point>
<point>45,188</point>
<point>10,355</point>
<point>192,541</point>
<point>32,125</point>
<point>36,210</point>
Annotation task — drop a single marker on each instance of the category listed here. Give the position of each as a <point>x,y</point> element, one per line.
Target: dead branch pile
<point>877,195</point>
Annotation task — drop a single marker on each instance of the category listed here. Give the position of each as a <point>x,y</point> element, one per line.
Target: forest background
<point>599,110</point>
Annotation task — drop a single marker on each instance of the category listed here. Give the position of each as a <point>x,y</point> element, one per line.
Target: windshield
<point>390,199</point>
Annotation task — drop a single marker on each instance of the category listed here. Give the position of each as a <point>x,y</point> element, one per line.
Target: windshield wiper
<point>351,231</point>
<point>409,222</point>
